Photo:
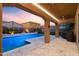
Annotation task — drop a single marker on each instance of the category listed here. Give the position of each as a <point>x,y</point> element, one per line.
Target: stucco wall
<point>30,25</point>
<point>76,31</point>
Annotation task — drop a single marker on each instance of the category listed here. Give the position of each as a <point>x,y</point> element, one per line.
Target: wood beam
<point>0,29</point>
<point>70,20</point>
<point>29,7</point>
<point>47,30</point>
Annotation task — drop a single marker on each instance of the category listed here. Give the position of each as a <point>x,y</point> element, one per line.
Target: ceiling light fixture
<point>63,17</point>
<point>44,10</point>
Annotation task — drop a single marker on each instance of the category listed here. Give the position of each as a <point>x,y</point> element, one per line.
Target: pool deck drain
<point>57,47</point>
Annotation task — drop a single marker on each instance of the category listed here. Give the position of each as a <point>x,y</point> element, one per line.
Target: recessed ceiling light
<point>44,10</point>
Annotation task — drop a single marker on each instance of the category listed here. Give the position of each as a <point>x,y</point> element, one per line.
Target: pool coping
<point>11,35</point>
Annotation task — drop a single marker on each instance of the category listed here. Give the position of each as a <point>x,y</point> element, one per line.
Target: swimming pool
<point>15,41</point>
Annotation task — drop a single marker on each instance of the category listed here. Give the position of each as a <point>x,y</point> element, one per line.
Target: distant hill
<point>11,24</point>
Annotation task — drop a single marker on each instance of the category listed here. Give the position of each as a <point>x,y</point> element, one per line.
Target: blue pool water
<point>12,42</point>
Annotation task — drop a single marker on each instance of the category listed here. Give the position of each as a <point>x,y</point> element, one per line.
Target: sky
<point>20,16</point>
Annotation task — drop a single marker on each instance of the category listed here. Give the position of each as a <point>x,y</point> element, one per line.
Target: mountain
<point>11,24</point>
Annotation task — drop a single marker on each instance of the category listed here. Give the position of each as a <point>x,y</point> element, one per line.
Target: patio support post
<point>47,30</point>
<point>57,30</point>
<point>0,29</point>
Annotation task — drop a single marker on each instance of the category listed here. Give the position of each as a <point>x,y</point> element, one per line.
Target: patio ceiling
<point>68,10</point>
<point>65,12</point>
<point>60,11</point>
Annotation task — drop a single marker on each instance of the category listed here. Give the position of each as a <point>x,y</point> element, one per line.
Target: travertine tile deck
<point>57,47</point>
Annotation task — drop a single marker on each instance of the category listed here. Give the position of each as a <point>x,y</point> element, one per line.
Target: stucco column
<point>47,30</point>
<point>57,30</point>
<point>0,29</point>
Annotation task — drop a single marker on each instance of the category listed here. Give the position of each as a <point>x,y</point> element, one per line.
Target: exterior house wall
<point>76,30</point>
<point>30,25</point>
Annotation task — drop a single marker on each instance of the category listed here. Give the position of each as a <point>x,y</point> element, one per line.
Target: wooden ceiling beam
<point>29,7</point>
<point>71,20</point>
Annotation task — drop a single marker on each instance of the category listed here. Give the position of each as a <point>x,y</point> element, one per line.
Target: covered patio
<point>56,13</point>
